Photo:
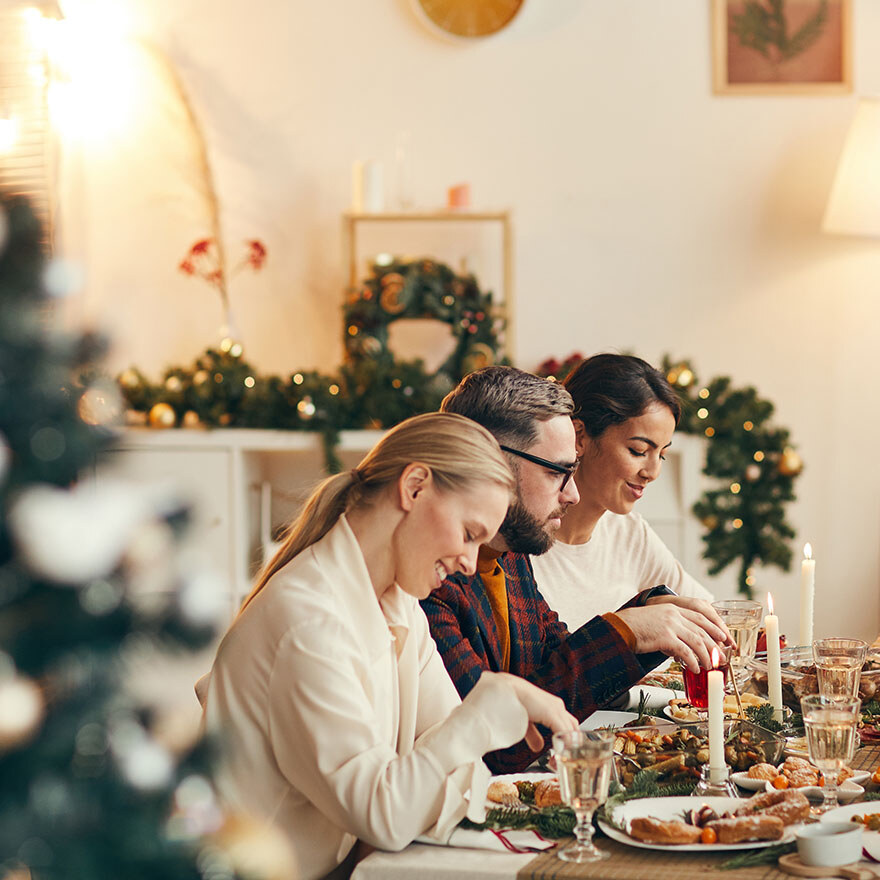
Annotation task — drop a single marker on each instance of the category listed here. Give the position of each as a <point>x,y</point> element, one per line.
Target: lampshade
<point>854,204</point>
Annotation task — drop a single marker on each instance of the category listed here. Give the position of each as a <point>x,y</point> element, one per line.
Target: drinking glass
<point>839,666</point>
<point>743,618</point>
<point>696,684</point>
<point>831,738</point>
<point>583,763</point>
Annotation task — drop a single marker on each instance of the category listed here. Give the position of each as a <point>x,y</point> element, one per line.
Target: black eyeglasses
<point>567,469</point>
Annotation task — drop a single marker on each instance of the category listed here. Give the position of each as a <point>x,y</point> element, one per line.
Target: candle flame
<point>769,604</point>
<point>808,550</point>
<point>716,657</point>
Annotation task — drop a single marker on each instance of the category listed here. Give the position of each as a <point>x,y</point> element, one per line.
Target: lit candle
<point>715,678</point>
<point>808,589</point>
<point>774,664</point>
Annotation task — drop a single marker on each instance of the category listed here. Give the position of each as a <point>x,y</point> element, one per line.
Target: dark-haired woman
<point>339,719</point>
<point>625,415</point>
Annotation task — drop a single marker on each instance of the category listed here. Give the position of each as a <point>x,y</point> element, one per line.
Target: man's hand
<point>542,708</point>
<point>677,627</point>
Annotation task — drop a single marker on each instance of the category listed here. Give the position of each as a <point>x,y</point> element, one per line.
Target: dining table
<point>424,861</point>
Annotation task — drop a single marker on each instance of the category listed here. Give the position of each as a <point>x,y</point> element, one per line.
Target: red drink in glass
<point>696,685</point>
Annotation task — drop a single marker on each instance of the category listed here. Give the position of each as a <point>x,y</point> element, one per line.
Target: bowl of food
<point>676,756</point>
<point>799,675</point>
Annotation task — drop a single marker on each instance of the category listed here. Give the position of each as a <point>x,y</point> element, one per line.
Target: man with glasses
<point>496,619</point>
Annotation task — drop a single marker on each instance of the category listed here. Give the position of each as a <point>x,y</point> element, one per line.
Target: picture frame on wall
<point>782,47</point>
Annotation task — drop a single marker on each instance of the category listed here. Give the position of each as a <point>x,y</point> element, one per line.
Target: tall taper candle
<point>808,591</point>
<point>774,663</point>
<point>715,680</point>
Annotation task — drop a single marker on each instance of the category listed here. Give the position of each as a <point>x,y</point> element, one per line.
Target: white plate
<point>657,697</point>
<point>870,839</point>
<point>671,808</point>
<point>517,777</point>
<point>743,780</point>
<point>845,792</point>
<point>607,718</point>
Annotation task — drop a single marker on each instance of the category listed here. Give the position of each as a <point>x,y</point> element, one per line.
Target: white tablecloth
<point>420,861</point>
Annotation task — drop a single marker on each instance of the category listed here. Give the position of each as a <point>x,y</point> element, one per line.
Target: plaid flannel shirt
<point>586,668</point>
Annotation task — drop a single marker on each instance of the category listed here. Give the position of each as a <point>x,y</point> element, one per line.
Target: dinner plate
<point>870,839</point>
<point>671,808</point>
<point>846,791</point>
<point>657,697</point>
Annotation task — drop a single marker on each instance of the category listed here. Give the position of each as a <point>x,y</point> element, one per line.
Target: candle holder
<point>715,782</point>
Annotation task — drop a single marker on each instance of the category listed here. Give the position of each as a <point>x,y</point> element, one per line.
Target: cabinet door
<point>201,477</point>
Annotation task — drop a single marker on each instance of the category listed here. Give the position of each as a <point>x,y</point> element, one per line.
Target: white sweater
<point>339,719</point>
<point>623,557</point>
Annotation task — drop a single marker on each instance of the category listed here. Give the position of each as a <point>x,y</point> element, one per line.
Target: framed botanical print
<point>779,47</point>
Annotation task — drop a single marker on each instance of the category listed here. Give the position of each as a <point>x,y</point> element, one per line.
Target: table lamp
<point>854,204</point>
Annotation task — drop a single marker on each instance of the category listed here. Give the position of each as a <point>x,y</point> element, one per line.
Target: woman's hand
<point>541,707</point>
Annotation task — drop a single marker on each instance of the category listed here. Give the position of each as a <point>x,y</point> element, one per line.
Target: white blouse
<point>623,557</point>
<point>339,719</point>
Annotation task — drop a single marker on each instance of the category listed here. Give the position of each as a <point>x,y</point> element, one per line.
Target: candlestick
<point>808,591</point>
<point>715,680</point>
<point>774,663</point>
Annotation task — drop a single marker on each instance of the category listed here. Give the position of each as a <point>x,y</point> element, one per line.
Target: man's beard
<point>523,532</point>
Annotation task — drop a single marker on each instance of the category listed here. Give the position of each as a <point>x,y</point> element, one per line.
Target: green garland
<point>750,460</point>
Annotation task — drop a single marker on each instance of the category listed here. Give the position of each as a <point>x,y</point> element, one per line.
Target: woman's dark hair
<point>608,389</point>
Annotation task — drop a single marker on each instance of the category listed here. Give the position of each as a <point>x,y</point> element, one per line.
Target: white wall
<point>649,214</point>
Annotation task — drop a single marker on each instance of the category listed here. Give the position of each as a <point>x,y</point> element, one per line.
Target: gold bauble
<point>129,379</point>
<point>710,522</point>
<point>790,463</point>
<point>201,377</point>
<point>162,415</point>
<point>191,419</point>
<point>174,383</point>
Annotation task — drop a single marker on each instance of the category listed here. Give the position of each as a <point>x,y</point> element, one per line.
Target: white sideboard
<point>225,474</point>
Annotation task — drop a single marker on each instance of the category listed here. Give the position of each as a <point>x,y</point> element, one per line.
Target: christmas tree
<point>95,783</point>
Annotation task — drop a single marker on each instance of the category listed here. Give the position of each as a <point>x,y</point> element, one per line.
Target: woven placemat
<point>867,757</point>
<point>631,863</point>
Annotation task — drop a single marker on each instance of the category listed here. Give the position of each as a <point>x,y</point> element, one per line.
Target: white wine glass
<point>743,618</point>
<point>839,666</point>
<point>830,725</point>
<point>583,763</point>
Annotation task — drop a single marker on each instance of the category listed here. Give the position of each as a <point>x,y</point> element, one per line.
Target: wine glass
<point>839,666</point>
<point>743,618</point>
<point>831,738</point>
<point>583,762</point>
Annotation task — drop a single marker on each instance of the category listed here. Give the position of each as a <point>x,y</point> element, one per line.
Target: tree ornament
<point>101,404</point>
<point>201,377</point>
<point>257,850</point>
<point>753,472</point>
<point>306,408</point>
<point>191,419</point>
<point>174,384</point>
<point>162,415</point>
<point>790,464</point>
<point>21,710</point>
<point>130,379</point>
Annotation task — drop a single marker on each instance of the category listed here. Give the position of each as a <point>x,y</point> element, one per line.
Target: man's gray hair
<point>509,403</point>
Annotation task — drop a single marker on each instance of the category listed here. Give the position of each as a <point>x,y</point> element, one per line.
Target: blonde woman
<point>340,721</point>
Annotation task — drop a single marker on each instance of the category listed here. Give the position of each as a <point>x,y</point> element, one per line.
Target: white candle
<point>716,719</point>
<point>774,664</point>
<point>808,590</point>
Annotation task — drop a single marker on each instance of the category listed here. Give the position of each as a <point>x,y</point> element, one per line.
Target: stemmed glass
<point>839,666</point>
<point>742,617</point>
<point>831,738</point>
<point>583,762</point>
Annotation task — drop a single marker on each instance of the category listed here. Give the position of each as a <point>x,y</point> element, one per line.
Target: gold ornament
<point>100,405</point>
<point>481,355</point>
<point>191,419</point>
<point>162,415</point>
<point>129,379</point>
<point>389,299</point>
<point>710,522</point>
<point>225,420</point>
<point>201,377</point>
<point>174,384</point>
<point>21,710</point>
<point>790,463</point>
<point>255,849</point>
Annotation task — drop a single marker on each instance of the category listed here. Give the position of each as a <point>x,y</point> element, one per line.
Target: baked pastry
<point>667,832</point>
<point>547,793</point>
<point>758,826</point>
<point>789,805</point>
<point>802,778</point>
<point>502,792</point>
<point>762,771</point>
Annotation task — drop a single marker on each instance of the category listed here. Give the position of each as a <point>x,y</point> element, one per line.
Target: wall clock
<point>468,18</point>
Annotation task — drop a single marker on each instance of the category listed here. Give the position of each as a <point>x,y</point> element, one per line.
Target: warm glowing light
<point>758,456</point>
<point>808,550</point>
<point>748,425</point>
<point>769,603</point>
<point>704,393</point>
<point>735,487</point>
<point>702,412</point>
<point>737,523</point>
<point>716,658</point>
<point>8,134</point>
<point>710,432</point>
